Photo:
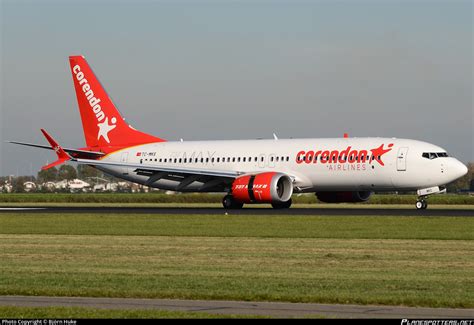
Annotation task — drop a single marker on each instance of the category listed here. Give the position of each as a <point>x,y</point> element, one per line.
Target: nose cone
<point>458,169</point>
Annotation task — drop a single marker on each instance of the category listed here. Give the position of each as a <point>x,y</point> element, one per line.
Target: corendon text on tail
<point>86,88</point>
<point>249,171</point>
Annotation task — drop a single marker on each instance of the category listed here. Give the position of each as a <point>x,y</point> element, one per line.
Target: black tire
<point>228,202</point>
<point>425,205</point>
<point>419,205</point>
<point>282,205</point>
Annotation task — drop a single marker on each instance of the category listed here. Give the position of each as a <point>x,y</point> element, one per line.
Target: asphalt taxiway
<point>246,211</point>
<point>273,309</point>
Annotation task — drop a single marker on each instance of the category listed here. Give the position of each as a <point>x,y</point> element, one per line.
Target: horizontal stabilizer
<point>76,153</point>
<point>62,155</point>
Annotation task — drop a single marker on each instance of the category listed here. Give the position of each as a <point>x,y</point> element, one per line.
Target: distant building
<point>50,186</point>
<point>29,186</point>
<point>105,187</point>
<point>6,188</point>
<point>75,185</point>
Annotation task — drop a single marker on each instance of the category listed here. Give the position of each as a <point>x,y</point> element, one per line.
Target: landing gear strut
<point>229,202</point>
<point>421,204</point>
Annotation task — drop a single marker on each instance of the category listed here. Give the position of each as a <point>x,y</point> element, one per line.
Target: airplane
<point>345,169</point>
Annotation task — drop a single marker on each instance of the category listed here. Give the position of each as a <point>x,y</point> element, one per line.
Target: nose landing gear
<point>421,204</point>
<point>423,194</point>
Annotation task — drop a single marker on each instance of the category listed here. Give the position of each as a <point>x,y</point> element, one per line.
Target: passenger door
<point>402,159</point>
<point>124,159</point>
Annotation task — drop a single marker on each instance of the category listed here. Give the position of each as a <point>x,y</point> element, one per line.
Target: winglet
<point>62,155</point>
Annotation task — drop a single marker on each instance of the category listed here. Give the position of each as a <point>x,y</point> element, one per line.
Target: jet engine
<point>269,187</point>
<point>339,197</point>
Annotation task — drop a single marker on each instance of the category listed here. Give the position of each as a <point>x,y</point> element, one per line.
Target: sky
<point>204,70</point>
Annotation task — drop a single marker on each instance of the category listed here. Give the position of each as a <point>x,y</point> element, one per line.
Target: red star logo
<point>377,153</point>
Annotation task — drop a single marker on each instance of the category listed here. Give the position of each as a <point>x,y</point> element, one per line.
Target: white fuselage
<point>333,164</point>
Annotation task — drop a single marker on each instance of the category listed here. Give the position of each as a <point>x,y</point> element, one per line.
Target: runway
<point>246,211</point>
<point>273,309</point>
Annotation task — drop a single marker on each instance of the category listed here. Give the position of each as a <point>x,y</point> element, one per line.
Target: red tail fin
<point>102,123</point>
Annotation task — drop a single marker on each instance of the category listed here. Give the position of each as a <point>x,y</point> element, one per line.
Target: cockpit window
<point>434,155</point>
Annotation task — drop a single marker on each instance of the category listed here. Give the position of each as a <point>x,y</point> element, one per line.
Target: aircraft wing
<point>211,179</point>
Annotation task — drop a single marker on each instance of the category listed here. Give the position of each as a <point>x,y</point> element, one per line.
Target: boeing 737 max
<point>251,171</point>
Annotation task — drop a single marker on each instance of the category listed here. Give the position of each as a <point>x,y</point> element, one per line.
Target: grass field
<point>196,198</point>
<point>413,261</point>
<point>78,312</point>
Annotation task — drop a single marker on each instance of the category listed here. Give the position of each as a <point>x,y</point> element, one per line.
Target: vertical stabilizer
<point>102,122</point>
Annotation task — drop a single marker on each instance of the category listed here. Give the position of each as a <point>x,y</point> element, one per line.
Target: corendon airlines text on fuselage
<point>347,156</point>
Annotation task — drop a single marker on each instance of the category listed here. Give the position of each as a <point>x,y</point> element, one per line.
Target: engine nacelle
<point>270,187</point>
<point>339,197</point>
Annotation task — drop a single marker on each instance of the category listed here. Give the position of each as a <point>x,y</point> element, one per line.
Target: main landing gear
<point>282,205</point>
<point>230,203</point>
